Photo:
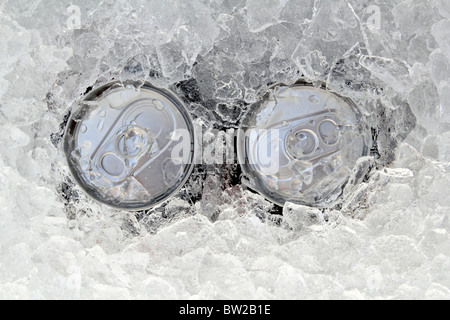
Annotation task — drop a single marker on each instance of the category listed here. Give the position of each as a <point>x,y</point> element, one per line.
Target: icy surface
<point>390,237</point>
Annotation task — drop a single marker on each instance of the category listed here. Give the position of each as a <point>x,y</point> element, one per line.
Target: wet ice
<point>388,239</point>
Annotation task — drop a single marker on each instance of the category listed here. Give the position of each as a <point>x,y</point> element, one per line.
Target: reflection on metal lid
<point>120,145</point>
<point>301,144</point>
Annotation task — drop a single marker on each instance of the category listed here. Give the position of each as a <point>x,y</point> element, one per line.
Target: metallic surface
<point>119,143</point>
<point>301,144</point>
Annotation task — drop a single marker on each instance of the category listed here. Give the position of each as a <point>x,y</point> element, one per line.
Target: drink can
<point>130,147</point>
<point>300,144</point>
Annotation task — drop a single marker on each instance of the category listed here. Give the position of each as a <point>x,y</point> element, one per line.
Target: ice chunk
<point>263,14</point>
<point>444,108</point>
<point>333,31</point>
<point>421,11</point>
<point>15,138</point>
<point>444,8</point>
<point>300,217</point>
<point>393,73</point>
<point>440,67</point>
<point>441,32</point>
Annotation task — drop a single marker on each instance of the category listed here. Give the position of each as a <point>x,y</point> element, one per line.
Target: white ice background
<point>391,238</point>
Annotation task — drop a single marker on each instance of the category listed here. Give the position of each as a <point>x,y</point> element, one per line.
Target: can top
<point>122,144</point>
<point>301,144</point>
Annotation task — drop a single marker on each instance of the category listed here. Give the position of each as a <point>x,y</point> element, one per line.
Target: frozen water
<point>387,238</point>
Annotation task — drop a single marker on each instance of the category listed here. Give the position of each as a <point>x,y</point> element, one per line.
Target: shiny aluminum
<point>301,144</point>
<point>119,144</point>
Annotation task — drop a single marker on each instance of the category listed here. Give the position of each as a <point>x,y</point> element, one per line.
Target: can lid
<point>301,145</point>
<point>130,148</point>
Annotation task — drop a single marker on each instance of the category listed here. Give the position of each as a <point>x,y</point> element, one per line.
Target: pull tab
<point>118,158</point>
<point>314,139</point>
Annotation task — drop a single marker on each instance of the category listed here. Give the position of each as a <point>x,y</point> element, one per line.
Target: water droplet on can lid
<point>158,104</point>
<point>314,99</point>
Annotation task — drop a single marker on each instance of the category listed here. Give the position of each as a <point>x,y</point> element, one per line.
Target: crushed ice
<point>388,239</point>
